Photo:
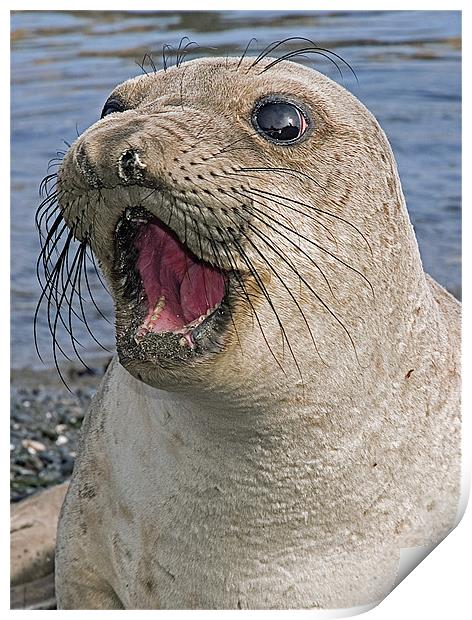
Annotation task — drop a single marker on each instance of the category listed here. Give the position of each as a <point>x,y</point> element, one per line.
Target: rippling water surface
<point>65,63</point>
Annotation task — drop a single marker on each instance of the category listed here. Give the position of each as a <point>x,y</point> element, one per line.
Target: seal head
<point>234,207</point>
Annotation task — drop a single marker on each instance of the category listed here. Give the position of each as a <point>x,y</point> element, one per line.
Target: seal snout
<point>102,166</point>
<point>130,167</point>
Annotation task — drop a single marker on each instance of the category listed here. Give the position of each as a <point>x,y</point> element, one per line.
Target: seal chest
<point>281,353</point>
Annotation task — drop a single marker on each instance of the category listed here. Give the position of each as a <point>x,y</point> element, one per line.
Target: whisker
<point>318,297</point>
<point>245,52</point>
<point>288,171</point>
<point>264,221</point>
<point>263,289</point>
<point>60,267</point>
<point>307,215</point>
<point>96,269</point>
<point>71,283</point>
<point>313,243</point>
<point>141,64</point>
<point>267,50</point>
<point>218,264</point>
<point>318,210</point>
<point>301,52</point>
<point>82,264</point>
<point>48,293</point>
<point>313,49</point>
<point>291,208</point>
<point>274,271</point>
<point>183,51</point>
<point>165,58</point>
<point>89,290</point>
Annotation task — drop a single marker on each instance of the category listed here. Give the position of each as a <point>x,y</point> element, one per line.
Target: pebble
<point>33,446</point>
<point>44,429</point>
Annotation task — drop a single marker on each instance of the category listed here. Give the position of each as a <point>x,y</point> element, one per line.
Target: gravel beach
<point>45,422</point>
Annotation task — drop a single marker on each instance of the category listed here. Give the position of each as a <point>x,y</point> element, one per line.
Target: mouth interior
<point>181,290</point>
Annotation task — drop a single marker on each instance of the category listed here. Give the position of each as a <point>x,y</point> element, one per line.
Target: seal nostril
<point>128,158</point>
<point>130,167</point>
<point>86,167</point>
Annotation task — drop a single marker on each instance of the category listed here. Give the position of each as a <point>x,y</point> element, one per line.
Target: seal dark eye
<point>112,105</point>
<point>281,122</point>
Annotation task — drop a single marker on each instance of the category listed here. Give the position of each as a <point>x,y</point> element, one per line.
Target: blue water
<point>65,63</point>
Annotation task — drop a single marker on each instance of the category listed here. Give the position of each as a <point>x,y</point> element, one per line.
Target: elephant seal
<point>283,414</point>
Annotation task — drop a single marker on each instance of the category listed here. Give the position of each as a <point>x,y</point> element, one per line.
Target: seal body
<point>279,445</point>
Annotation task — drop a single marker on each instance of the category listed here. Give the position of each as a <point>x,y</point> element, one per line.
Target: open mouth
<point>177,293</point>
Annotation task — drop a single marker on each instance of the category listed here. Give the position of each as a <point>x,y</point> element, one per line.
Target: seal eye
<point>112,105</point>
<point>280,121</point>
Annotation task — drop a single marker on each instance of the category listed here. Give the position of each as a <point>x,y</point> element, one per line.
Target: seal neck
<point>298,457</point>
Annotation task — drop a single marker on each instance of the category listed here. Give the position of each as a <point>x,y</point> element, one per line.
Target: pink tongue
<point>189,286</point>
<point>202,288</point>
